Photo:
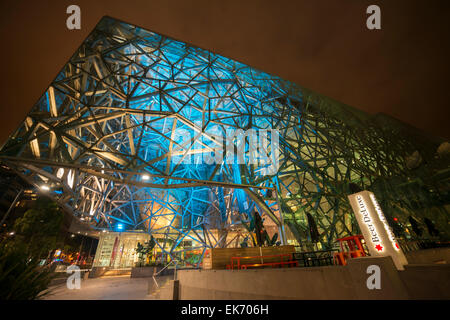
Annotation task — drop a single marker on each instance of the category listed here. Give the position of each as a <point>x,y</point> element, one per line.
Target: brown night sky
<point>401,70</point>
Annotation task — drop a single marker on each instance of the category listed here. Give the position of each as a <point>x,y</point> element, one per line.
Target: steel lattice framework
<point>103,138</point>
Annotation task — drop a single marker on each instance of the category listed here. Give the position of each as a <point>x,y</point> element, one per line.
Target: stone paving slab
<point>104,288</point>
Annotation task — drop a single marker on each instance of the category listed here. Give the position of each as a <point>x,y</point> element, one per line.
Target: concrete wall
<point>427,281</point>
<point>107,271</point>
<point>426,256</point>
<point>332,282</point>
<point>62,277</point>
<point>146,272</point>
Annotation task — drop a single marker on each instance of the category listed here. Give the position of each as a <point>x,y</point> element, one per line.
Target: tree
<point>415,226</point>
<point>21,278</point>
<point>39,228</point>
<point>256,226</point>
<point>259,229</point>
<point>312,228</point>
<point>144,250</point>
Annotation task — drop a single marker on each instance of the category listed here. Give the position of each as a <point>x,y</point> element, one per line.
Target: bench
<point>280,263</point>
<point>272,264</point>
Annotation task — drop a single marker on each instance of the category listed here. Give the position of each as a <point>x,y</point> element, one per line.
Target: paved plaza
<point>106,288</point>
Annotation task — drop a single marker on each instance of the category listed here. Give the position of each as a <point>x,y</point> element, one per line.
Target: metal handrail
<point>314,256</point>
<point>155,274</point>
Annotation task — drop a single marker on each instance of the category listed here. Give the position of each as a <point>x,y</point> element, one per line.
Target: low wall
<point>318,283</point>
<point>107,271</point>
<point>427,281</point>
<point>62,277</point>
<point>218,258</point>
<point>429,256</point>
<point>146,272</point>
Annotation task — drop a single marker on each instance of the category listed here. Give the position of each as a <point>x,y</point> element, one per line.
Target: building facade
<point>141,132</point>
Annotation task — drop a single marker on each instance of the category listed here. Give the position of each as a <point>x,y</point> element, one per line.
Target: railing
<point>315,258</point>
<point>157,273</point>
<point>420,244</point>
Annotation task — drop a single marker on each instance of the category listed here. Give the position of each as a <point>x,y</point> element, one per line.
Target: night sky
<point>401,70</point>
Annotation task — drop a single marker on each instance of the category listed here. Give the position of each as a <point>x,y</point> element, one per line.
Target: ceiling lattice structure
<point>120,137</point>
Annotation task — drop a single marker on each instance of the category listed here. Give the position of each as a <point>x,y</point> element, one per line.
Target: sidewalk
<point>104,288</point>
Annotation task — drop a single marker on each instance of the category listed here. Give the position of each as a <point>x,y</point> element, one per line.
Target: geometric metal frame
<point>105,139</point>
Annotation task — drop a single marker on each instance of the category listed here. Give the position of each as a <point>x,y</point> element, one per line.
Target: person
<point>415,226</point>
<point>244,243</point>
<point>431,228</point>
